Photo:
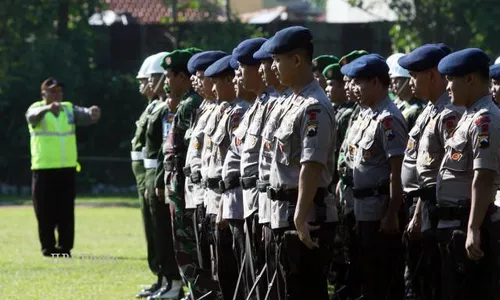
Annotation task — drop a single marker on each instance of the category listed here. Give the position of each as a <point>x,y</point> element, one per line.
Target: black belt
<point>229,183</point>
<point>460,212</point>
<point>371,192</point>
<point>187,171</point>
<point>291,195</point>
<point>248,182</point>
<point>262,186</point>
<point>213,184</point>
<point>195,177</point>
<point>425,194</point>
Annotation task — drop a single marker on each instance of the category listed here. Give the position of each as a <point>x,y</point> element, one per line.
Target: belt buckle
<point>271,193</point>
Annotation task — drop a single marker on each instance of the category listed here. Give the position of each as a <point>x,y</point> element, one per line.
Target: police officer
<point>271,122</point>
<point>495,82</point>
<point>156,132</point>
<point>222,75</point>
<point>410,106</point>
<point>348,276</point>
<point>423,156</point>
<point>467,181</point>
<point>54,164</point>
<point>192,170</point>
<point>301,169</point>
<point>378,152</point>
<point>138,143</point>
<point>318,66</point>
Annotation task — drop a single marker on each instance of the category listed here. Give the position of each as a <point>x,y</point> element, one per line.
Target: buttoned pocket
<point>284,143</point>
<point>366,149</point>
<point>413,141</point>
<point>257,122</point>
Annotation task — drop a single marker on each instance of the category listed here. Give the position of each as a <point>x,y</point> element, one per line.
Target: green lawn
<point>100,232</point>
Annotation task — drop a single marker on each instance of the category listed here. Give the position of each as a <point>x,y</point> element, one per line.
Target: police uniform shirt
<point>220,140</point>
<point>382,135</point>
<point>473,146</point>
<point>265,154</point>
<point>206,151</point>
<point>249,136</point>
<point>306,134</point>
<point>193,158</point>
<point>232,199</point>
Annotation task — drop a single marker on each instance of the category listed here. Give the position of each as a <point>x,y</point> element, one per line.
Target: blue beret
<point>423,58</point>
<point>234,63</point>
<point>201,61</point>
<point>289,39</point>
<point>220,66</point>
<point>245,50</point>
<point>370,65</point>
<point>444,47</point>
<point>495,72</point>
<point>262,54</point>
<point>464,62</point>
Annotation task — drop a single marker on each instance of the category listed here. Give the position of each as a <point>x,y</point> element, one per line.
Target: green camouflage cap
<point>344,60</point>
<point>177,59</point>
<point>320,62</point>
<point>332,72</point>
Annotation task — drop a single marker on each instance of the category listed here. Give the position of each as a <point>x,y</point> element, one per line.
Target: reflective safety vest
<point>53,140</point>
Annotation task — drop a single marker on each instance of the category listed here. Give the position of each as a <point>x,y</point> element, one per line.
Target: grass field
<point>100,232</point>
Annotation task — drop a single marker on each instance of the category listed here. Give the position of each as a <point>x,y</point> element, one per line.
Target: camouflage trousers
<point>199,281</point>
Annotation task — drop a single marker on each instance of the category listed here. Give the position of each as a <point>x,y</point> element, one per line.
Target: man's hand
<point>160,193</point>
<point>390,223</point>
<point>473,244</point>
<point>304,232</point>
<point>95,113</point>
<point>55,107</point>
<point>415,227</point>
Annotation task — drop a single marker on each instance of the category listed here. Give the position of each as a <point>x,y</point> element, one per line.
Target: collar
<point>382,105</point>
<point>479,104</point>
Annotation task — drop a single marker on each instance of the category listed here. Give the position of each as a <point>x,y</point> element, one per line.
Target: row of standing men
<point>249,175</point>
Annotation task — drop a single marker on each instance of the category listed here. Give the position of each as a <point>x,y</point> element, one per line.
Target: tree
<point>458,23</point>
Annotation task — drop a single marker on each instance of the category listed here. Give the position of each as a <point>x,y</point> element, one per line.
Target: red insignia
<point>485,127</point>
<point>482,120</point>
<point>312,116</point>
<point>387,122</point>
<point>449,118</point>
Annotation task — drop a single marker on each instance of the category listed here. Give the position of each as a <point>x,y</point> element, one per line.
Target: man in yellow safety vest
<point>51,125</point>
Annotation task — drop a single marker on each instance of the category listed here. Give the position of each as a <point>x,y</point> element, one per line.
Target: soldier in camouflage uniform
<point>318,66</point>
<point>136,154</point>
<point>232,110</point>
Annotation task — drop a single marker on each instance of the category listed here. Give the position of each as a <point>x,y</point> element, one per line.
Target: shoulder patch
<point>387,122</point>
<point>312,114</point>
<point>484,119</point>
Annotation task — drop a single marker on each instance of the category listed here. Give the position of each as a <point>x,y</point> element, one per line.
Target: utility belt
<point>195,176</point>
<point>248,182</point>
<point>425,194</point>
<point>219,185</point>
<point>262,185</point>
<point>377,191</point>
<point>150,163</point>
<point>291,195</point>
<point>136,155</point>
<point>461,212</point>
<point>173,164</point>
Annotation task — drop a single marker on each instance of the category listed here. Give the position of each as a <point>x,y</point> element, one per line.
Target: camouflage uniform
<point>410,110</point>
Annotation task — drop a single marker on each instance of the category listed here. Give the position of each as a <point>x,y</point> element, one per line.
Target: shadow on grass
<point>128,200</point>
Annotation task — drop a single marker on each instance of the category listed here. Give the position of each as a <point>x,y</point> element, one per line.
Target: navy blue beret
<point>234,63</point>
<point>288,39</point>
<point>495,72</point>
<point>423,58</point>
<point>245,50</point>
<point>262,54</point>
<point>201,61</point>
<point>220,66</point>
<point>368,66</point>
<point>463,62</point>
<point>444,47</point>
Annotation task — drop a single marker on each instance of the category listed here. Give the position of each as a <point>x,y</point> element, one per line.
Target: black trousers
<point>227,269</point>
<point>305,270</point>
<point>237,229</point>
<point>381,261</point>
<point>54,201</point>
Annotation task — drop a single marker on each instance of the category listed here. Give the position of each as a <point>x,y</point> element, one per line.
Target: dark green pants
<point>147,217</point>
<point>160,212</point>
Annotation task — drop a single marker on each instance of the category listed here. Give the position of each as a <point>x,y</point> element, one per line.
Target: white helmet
<point>155,65</point>
<point>395,70</point>
<point>144,67</point>
<point>497,61</point>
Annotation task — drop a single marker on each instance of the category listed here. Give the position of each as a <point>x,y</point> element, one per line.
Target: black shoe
<point>153,289</point>
<point>49,252</point>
